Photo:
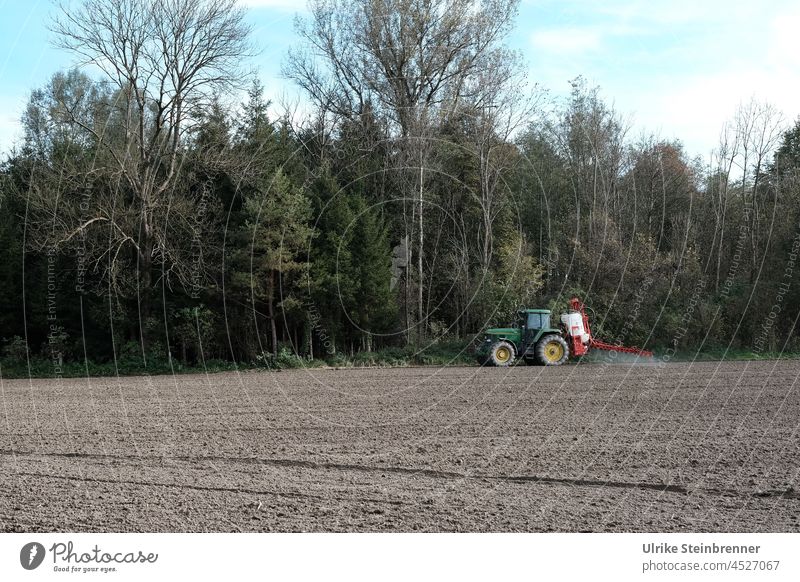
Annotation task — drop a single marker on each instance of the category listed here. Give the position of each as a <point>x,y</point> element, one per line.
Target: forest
<point>160,213</point>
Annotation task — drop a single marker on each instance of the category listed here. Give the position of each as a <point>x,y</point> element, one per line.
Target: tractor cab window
<point>538,321</point>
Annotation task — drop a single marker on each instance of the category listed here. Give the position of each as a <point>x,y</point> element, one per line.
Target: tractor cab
<point>530,323</point>
<point>535,322</point>
<point>535,319</point>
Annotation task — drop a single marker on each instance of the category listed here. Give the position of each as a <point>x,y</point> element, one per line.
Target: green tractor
<point>531,339</point>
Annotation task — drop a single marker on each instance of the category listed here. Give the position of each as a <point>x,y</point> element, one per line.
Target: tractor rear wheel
<point>501,354</point>
<point>552,350</point>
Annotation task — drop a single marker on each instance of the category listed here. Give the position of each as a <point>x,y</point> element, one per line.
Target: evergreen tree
<point>375,311</point>
<point>331,282</point>
<point>277,214</point>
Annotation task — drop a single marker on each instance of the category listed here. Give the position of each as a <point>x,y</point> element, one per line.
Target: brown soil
<point>677,447</point>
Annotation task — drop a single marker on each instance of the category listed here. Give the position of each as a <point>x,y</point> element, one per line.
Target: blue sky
<point>676,68</point>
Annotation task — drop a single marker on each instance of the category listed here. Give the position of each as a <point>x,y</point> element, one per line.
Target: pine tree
<point>331,282</point>
<point>277,214</point>
<point>371,252</point>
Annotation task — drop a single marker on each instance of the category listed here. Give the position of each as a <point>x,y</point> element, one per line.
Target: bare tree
<point>759,128</point>
<point>746,145</point>
<point>503,107</point>
<point>412,61</point>
<point>590,136</point>
<point>723,159</point>
<point>160,64</point>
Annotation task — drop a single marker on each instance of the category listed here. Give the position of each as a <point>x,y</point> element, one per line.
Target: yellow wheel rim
<point>502,355</point>
<point>553,351</point>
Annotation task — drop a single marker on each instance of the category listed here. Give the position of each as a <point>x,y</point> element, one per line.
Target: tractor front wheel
<point>501,354</point>
<point>552,350</point>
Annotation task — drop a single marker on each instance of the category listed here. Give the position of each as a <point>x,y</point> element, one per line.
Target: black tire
<point>501,354</point>
<point>552,350</point>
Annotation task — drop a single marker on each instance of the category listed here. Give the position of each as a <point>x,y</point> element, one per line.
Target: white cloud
<point>782,46</point>
<point>682,67</point>
<point>696,107</point>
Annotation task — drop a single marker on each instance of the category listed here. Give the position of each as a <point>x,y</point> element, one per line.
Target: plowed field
<point>675,447</point>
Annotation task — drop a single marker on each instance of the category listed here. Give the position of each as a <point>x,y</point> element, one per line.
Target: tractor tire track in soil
<point>587,447</point>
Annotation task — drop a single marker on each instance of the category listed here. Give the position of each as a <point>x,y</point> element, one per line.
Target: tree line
<point>156,209</point>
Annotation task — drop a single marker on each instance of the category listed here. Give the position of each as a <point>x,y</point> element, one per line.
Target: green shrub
<point>15,348</point>
<point>337,360</point>
<point>285,359</point>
